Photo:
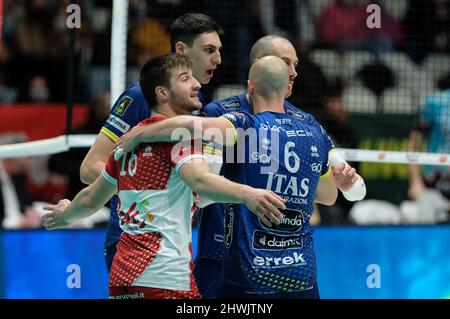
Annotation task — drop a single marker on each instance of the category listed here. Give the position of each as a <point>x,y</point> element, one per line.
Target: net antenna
<point>118,65</point>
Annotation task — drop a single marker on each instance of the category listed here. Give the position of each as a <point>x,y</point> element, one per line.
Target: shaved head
<point>270,77</point>
<point>279,47</point>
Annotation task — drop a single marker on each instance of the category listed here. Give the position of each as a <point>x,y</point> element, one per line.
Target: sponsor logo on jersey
<point>231,105</point>
<point>230,116</point>
<point>292,221</point>
<point>288,185</point>
<point>295,114</point>
<point>147,151</point>
<point>261,158</point>
<point>300,133</point>
<point>265,241</point>
<point>284,121</point>
<point>118,123</point>
<point>229,220</point>
<point>122,105</point>
<point>295,259</point>
<point>314,151</point>
<point>316,167</point>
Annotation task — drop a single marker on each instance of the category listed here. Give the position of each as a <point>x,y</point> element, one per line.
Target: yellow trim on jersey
<point>211,150</point>
<point>328,173</point>
<point>110,134</point>
<point>234,128</point>
<point>332,150</point>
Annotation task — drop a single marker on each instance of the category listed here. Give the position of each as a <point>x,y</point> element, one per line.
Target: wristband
<point>356,192</point>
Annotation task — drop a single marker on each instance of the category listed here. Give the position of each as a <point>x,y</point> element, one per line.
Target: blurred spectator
<point>16,210</point>
<point>337,124</point>
<point>433,130</point>
<point>8,93</point>
<point>39,47</point>
<point>343,25</point>
<point>150,39</point>
<point>310,86</point>
<point>291,19</point>
<point>38,90</point>
<point>427,28</point>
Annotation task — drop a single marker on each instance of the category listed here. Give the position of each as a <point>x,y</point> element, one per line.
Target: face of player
<point>183,91</point>
<point>205,56</point>
<point>285,51</point>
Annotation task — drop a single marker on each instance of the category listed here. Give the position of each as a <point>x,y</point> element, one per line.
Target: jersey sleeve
<point>239,121</point>
<point>213,109</point>
<point>183,152</point>
<point>129,109</point>
<point>329,146</point>
<point>110,172</point>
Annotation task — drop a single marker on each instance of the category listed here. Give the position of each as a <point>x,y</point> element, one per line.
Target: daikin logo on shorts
<point>266,241</point>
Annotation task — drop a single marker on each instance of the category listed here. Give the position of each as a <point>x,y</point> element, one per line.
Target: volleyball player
<point>194,35</point>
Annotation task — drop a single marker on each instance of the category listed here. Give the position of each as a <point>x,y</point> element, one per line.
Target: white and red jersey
<point>155,210</point>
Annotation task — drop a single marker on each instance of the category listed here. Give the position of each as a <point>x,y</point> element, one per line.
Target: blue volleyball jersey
<point>288,155</point>
<point>128,110</point>
<point>211,227</point>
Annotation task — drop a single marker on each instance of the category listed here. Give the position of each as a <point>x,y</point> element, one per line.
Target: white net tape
<point>63,143</point>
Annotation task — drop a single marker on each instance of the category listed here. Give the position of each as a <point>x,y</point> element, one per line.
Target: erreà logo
<point>295,259</point>
<point>122,105</point>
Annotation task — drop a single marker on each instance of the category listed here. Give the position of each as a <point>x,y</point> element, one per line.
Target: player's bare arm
<point>263,203</point>
<point>95,159</point>
<point>88,201</point>
<point>174,129</point>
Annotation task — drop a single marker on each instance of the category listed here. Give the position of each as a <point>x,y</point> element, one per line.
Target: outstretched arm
<point>88,201</point>
<point>178,128</point>
<point>96,158</point>
<point>263,203</point>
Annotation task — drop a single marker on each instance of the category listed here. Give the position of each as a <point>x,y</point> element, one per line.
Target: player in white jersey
<point>155,183</point>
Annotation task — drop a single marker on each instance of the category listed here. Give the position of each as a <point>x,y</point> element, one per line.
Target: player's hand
<point>265,205</point>
<point>128,142</point>
<point>344,175</point>
<point>56,218</point>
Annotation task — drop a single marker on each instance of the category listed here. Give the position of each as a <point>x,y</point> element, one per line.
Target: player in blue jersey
<point>194,35</point>
<point>209,257</point>
<point>287,154</point>
<point>208,263</point>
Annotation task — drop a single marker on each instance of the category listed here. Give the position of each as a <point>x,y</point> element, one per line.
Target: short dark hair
<point>188,26</point>
<point>156,72</point>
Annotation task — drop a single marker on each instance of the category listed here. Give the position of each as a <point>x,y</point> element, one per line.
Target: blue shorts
<point>110,252</point>
<point>208,275</point>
